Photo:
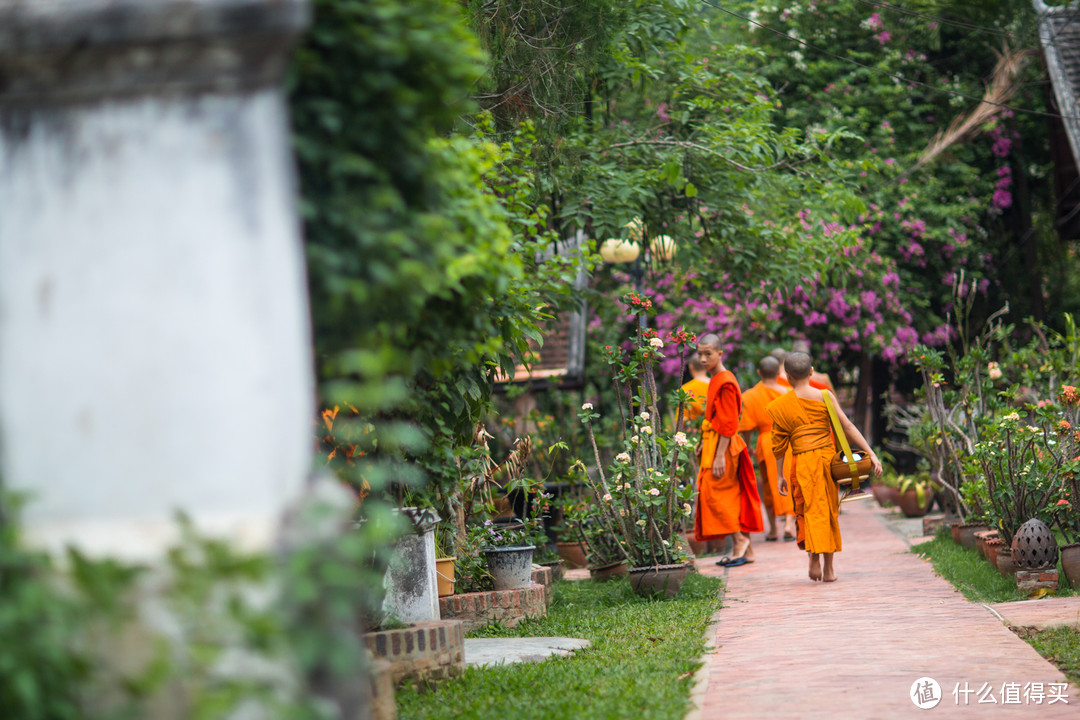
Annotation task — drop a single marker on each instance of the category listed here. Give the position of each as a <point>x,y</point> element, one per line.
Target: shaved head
<point>798,365</point>
<point>780,354</point>
<point>802,346</point>
<point>711,340</point>
<point>695,364</point>
<point>768,367</point>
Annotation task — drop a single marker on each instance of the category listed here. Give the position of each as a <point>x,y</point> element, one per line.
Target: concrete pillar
<point>154,328</point>
<point>411,580</point>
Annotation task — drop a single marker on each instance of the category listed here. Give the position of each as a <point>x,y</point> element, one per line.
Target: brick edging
<point>423,650</point>
<point>509,607</point>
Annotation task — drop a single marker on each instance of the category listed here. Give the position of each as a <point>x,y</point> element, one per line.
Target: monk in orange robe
<point>801,423</point>
<point>755,418</point>
<point>818,380</point>
<point>728,501</point>
<point>821,381</point>
<point>698,386</point>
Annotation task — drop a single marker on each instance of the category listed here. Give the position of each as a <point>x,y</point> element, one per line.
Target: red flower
<point>1062,501</point>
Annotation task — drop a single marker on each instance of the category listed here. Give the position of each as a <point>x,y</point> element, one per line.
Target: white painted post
<point>154,331</point>
<point>412,582</point>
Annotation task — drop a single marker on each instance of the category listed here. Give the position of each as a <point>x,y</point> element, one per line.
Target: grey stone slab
<point>496,651</point>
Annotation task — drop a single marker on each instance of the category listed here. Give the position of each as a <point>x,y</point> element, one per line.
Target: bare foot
<point>829,574</point>
<point>815,568</point>
<point>740,549</point>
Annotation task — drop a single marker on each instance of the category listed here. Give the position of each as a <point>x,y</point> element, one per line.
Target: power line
<point>939,20</point>
<point>886,73</point>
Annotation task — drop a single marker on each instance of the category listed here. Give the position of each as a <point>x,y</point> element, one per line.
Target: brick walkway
<point>787,647</point>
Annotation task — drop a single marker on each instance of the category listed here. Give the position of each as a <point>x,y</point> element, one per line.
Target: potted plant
<point>915,494</point>
<point>1025,462</point>
<point>637,498</point>
<point>508,554</point>
<point>603,557</point>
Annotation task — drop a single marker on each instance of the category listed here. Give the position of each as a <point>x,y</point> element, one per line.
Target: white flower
<point>646,429</point>
<point>635,439</point>
<point>680,439</point>
<point>654,492</point>
<point>626,486</point>
<point>607,497</point>
<point>1013,416</point>
<point>641,523</point>
<point>587,406</point>
<point>622,457</point>
<point>687,509</point>
<point>656,343</point>
<point>994,371</point>
<point>644,416</point>
<point>622,512</point>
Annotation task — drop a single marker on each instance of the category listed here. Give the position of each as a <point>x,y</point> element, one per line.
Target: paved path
<point>495,651</point>
<point>786,647</point>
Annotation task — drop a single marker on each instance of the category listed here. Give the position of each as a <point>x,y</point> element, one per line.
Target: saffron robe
<point>804,427</point>
<point>730,503</point>
<point>755,417</point>
<point>699,389</point>
<point>813,383</point>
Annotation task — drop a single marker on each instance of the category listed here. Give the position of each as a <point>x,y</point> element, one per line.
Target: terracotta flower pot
<point>697,548</point>
<point>967,534</point>
<point>981,537</point>
<point>609,571</point>
<point>992,546</point>
<point>1070,563</point>
<point>573,554</point>
<point>659,581</point>
<point>1005,564</point>
<point>910,505</point>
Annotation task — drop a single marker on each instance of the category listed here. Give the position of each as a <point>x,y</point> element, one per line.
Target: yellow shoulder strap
<point>841,437</point>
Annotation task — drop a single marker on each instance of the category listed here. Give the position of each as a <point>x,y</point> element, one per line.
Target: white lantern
<point>662,248</point>
<point>617,250</point>
<point>634,230</point>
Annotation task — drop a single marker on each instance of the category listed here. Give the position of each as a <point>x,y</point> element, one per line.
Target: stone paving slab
<point>1039,614</point>
<point>495,651</point>
<point>786,647</point>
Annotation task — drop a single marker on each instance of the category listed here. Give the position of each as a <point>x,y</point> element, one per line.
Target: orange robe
<point>699,389</point>
<point>804,426</point>
<point>813,383</point>
<point>729,503</point>
<point>755,417</point>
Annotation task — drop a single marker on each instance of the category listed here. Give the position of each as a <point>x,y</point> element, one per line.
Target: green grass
<point>968,571</point>
<point>1060,645</point>
<point>973,575</point>
<point>640,664</point>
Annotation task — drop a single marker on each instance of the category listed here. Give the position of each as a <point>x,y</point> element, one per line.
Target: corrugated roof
<point>1059,33</point>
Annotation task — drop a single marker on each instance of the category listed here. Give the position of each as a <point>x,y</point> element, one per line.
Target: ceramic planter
<point>1070,563</point>
<point>910,505</point>
<point>697,548</point>
<point>980,540</point>
<point>573,554</point>
<point>1005,564</point>
<point>609,571</point>
<point>885,495</point>
<point>510,567</point>
<point>992,546</point>
<point>659,581</point>
<point>967,534</point>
